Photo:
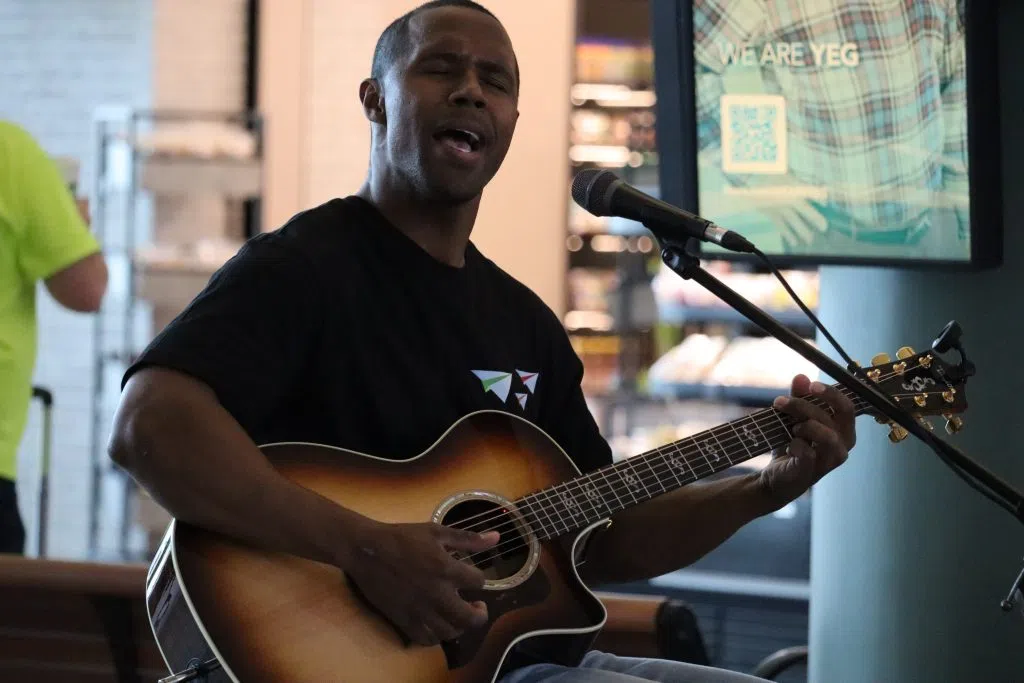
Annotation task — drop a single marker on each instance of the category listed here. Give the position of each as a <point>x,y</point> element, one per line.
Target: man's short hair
<point>394,40</point>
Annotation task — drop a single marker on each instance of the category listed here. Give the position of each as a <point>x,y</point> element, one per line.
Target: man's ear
<point>372,97</point>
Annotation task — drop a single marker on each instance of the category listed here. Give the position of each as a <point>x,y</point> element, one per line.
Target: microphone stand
<point>688,267</point>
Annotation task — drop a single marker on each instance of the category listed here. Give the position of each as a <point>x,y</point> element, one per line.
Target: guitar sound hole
<point>512,551</point>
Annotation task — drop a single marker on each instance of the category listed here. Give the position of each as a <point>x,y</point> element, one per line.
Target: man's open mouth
<point>461,139</point>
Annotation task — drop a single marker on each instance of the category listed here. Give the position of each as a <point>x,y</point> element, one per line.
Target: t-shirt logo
<point>500,383</point>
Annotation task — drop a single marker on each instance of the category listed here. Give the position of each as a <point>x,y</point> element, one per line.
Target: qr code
<point>754,134</point>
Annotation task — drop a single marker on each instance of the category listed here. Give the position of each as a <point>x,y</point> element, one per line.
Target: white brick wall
<point>59,61</point>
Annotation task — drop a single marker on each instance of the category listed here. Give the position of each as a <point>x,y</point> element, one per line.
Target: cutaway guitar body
<point>272,618</point>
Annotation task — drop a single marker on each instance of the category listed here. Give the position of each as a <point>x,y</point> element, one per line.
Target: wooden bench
<point>81,622</point>
<point>75,622</point>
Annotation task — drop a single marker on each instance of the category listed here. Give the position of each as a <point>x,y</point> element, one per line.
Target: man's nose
<point>469,93</point>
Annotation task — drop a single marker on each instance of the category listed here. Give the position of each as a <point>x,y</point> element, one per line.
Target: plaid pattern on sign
<point>875,103</point>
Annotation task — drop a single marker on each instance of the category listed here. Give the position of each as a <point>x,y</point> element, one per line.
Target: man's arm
<point>80,287</point>
<point>184,430</point>
<point>674,530</point>
<point>55,244</point>
<point>229,362</point>
<point>677,529</point>
<point>179,443</point>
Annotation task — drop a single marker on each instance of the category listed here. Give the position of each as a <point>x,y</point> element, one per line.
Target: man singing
<point>368,322</point>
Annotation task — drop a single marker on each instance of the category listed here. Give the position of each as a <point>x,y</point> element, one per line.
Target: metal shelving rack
<point>127,178</point>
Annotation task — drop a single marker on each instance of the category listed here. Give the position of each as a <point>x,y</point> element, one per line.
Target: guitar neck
<point>576,504</point>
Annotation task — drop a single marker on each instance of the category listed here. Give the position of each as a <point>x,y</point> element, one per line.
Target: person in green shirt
<point>44,237</point>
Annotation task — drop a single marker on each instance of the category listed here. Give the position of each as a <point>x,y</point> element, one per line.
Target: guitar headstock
<point>924,384</point>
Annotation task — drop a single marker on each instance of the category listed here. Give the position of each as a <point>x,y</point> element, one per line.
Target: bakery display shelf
<point>175,194</point>
<point>680,314</point>
<point>182,174</point>
<point>751,395</point>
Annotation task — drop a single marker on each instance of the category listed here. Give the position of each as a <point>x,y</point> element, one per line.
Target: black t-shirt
<point>338,329</point>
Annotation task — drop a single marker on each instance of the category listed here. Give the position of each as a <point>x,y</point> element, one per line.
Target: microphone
<point>602,193</point>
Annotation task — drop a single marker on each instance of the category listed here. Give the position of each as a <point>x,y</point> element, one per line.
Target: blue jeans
<point>600,667</point>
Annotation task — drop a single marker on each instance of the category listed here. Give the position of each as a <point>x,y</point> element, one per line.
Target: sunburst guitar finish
<point>272,618</point>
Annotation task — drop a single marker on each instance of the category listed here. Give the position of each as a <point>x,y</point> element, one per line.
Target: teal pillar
<point>909,564</point>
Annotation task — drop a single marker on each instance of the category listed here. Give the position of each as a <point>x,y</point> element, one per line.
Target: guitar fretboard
<point>593,497</point>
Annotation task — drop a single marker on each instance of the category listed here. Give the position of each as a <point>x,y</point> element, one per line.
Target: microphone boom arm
<point>688,267</point>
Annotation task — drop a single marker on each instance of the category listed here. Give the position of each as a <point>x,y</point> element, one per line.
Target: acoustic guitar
<point>223,611</point>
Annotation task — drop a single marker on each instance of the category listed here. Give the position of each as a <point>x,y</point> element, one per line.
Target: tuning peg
<point>897,433</point>
<point>954,423</point>
<point>905,352</point>
<point>880,359</point>
<point>926,424</point>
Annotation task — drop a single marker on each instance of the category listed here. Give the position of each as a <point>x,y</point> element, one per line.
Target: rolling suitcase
<point>45,397</point>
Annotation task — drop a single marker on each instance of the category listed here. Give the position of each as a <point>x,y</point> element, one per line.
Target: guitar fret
<point>611,487</point>
<point>767,442</point>
<point>654,473</point>
<point>681,455</point>
<point>671,463</point>
<point>552,522</point>
<point>742,442</point>
<point>591,493</point>
<point>559,508</point>
<point>549,501</point>
<point>721,450</point>
<point>778,416</point>
<point>570,503</point>
<point>630,463</point>
<point>537,523</point>
<point>624,482</point>
<point>701,451</point>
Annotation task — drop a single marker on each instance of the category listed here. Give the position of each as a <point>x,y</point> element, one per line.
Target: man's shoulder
<point>20,152</point>
<point>23,152</point>
<point>331,219</point>
<point>11,132</point>
<point>311,235</point>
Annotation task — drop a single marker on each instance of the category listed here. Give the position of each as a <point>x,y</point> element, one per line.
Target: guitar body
<point>271,618</point>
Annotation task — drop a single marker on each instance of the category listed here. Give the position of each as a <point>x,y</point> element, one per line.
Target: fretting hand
<point>822,440</point>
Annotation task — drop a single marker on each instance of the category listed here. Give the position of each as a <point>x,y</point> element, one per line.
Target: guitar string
<point>644,480</point>
<point>659,466</point>
<point>597,478</point>
<point>516,543</point>
<point>665,457</point>
<point>513,544</point>
<point>769,413</point>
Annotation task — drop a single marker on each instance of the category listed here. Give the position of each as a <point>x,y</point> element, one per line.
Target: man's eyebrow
<point>454,58</point>
<point>497,67</point>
